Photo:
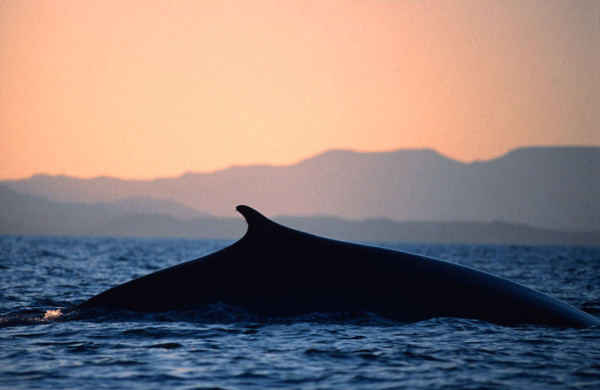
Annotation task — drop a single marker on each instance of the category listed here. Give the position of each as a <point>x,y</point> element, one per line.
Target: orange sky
<point>140,89</point>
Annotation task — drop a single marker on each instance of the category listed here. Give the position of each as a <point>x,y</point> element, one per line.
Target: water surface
<point>224,347</point>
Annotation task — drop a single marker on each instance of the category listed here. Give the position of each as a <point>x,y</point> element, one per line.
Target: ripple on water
<point>222,347</point>
<point>165,346</point>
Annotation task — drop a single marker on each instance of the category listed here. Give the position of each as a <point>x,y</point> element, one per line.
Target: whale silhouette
<point>276,271</point>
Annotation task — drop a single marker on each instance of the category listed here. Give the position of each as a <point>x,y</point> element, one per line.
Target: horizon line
<point>312,156</point>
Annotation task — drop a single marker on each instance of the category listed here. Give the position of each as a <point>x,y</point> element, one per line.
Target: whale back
<point>277,271</point>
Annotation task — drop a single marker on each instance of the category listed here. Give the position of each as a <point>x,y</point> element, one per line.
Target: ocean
<point>44,346</point>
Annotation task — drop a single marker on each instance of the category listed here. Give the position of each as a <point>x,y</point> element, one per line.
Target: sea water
<point>42,345</point>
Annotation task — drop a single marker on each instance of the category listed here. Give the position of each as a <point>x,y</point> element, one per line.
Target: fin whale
<point>276,271</point>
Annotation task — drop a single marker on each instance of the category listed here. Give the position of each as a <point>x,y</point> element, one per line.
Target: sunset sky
<point>141,89</point>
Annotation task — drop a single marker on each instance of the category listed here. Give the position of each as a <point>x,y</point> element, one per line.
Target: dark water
<point>222,347</point>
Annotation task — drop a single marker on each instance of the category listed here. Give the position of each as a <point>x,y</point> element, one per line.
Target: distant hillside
<point>544,187</point>
<point>30,214</point>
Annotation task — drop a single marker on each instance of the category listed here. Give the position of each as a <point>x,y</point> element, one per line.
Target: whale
<point>275,271</point>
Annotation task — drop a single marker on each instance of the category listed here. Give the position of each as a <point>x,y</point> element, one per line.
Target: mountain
<point>543,187</point>
<point>30,214</point>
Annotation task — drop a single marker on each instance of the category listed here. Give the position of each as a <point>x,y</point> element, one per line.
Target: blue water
<point>223,347</point>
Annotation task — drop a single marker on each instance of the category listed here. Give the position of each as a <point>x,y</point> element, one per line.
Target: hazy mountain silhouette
<point>545,187</point>
<point>30,214</point>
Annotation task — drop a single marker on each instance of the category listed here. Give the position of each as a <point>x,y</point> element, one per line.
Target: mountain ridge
<point>24,214</point>
<point>546,187</point>
<point>318,155</point>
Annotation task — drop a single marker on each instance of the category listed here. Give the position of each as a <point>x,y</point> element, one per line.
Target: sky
<point>144,89</point>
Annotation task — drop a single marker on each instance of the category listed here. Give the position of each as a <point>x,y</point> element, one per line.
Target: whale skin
<point>276,271</point>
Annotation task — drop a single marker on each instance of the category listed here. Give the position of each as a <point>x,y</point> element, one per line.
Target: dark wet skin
<point>275,271</point>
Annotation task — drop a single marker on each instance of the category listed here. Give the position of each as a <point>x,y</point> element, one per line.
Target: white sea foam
<point>52,314</point>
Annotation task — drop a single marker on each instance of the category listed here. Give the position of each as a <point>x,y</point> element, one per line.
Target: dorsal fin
<point>255,220</point>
